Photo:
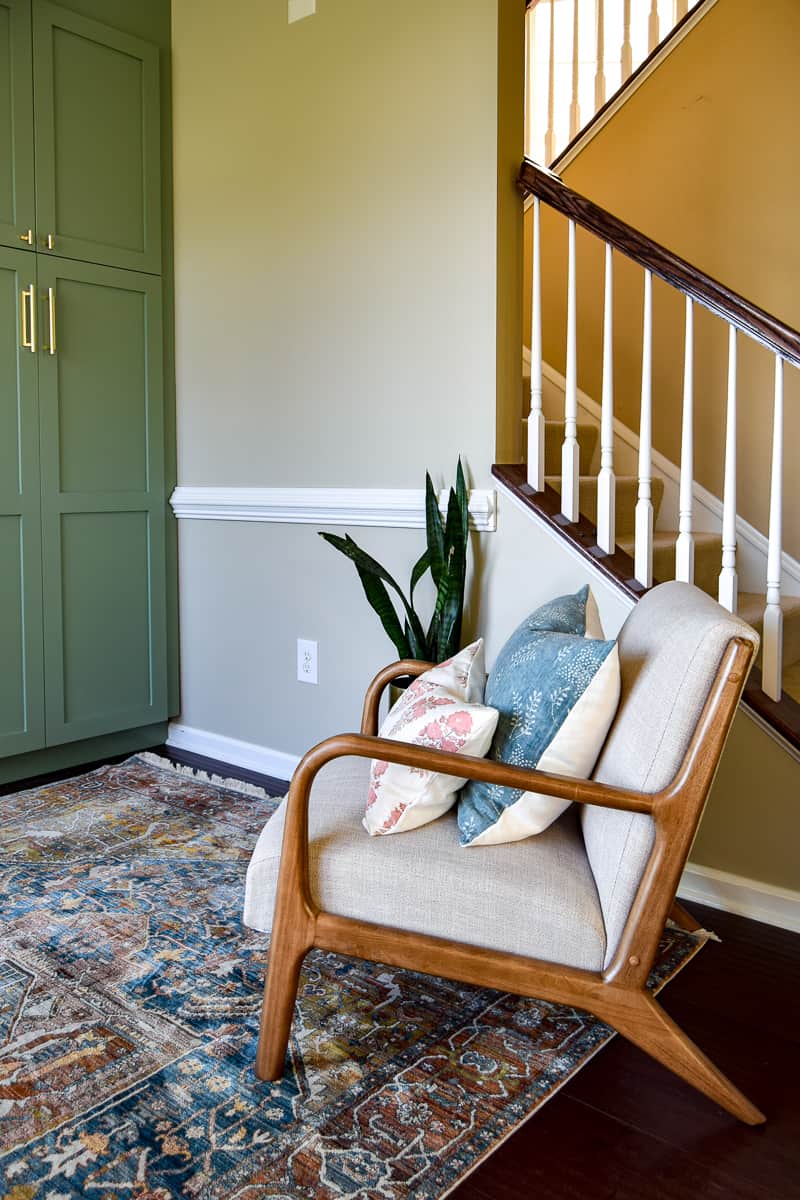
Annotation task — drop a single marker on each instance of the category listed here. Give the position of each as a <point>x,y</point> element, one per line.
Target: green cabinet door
<point>103,501</point>
<point>17,203</point>
<point>98,188</point>
<point>21,680</point>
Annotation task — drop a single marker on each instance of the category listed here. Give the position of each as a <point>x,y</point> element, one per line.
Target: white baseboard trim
<point>389,508</point>
<point>232,751</point>
<point>745,897</point>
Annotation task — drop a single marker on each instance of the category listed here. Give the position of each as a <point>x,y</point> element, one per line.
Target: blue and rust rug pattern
<point>129,1002</point>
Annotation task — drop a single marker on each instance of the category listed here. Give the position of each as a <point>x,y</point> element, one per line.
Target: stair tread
<point>587,425</point>
<point>751,606</point>
<point>554,481</point>
<point>664,538</point>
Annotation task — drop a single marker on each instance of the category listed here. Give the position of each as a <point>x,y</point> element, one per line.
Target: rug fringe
<point>227,782</point>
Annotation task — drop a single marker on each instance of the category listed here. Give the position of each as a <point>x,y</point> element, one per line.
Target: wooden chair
<point>572,916</point>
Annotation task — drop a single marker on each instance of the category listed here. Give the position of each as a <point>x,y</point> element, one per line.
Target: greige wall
<point>702,159</point>
<point>344,210</point>
<point>336,187</point>
<point>348,302</point>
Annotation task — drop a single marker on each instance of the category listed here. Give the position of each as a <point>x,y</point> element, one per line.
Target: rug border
<point>185,771</point>
<point>702,937</point>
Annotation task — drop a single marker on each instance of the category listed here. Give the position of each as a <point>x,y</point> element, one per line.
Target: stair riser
<point>706,566</point>
<point>627,495</point>
<point>553,441</point>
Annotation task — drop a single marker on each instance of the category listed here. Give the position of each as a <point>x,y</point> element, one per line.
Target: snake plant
<point>445,556</point>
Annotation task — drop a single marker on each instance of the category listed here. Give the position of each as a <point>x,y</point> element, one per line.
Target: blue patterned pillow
<point>556,687</point>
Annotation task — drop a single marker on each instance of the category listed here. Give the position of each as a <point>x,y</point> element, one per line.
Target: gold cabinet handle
<point>27,237</point>
<point>51,241</point>
<point>29,335</point>
<point>51,308</point>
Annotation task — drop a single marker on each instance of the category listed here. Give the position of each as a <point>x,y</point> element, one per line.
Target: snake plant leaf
<point>462,496</point>
<point>378,597</point>
<point>434,531</point>
<point>420,567</point>
<point>450,595</point>
<point>418,648</point>
<point>365,562</point>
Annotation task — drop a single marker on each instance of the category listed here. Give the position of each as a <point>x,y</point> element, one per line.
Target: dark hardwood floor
<point>625,1128</point>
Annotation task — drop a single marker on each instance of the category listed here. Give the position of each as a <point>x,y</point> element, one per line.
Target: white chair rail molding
<point>389,508</point>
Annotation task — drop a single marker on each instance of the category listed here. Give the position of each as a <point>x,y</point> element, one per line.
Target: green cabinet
<point>95,138</point>
<point>102,439</point>
<point>21,670</point>
<point>98,194</point>
<point>82,476</point>
<point>17,200</point>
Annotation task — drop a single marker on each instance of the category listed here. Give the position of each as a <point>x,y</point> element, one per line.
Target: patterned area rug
<point>129,1000</point>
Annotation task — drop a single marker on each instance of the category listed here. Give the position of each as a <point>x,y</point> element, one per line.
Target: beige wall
<point>336,189</point>
<point>344,208</point>
<point>348,302</point>
<point>702,158</point>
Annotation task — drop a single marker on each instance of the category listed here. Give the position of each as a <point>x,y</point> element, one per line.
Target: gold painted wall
<point>703,159</point>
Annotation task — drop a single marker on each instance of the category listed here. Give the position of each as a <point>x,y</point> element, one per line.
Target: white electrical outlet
<point>301,8</point>
<point>307,661</point>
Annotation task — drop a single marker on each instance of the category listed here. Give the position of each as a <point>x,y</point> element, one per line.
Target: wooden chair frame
<point>617,995</point>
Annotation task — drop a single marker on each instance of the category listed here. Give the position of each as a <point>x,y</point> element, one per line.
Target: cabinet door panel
<point>102,501</point>
<point>17,206</point>
<point>21,678</point>
<point>97,140</point>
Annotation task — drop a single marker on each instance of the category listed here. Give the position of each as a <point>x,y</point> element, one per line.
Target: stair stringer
<point>752,545</point>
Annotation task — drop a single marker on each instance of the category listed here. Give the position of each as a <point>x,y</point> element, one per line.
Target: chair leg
<point>647,1025</point>
<point>277,1009</point>
<point>683,919</point>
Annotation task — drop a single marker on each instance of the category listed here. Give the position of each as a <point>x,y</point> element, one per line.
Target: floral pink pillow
<point>443,709</point>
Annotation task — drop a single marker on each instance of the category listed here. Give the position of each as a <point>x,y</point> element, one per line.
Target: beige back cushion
<point>670,648</point>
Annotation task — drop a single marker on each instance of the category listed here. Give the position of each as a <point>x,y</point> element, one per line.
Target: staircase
<point>639,518</point>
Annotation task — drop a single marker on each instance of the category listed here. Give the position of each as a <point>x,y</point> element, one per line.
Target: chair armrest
<point>372,700</point>
<point>466,766</point>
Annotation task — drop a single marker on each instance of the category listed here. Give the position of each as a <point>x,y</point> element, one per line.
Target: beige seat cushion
<point>536,897</point>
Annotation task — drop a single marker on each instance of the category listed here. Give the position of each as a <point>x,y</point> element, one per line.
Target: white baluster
<point>653,31</point>
<point>570,453</point>
<point>600,75</point>
<point>643,554</point>
<point>772,653</point>
<point>574,108</point>
<point>728,581</point>
<point>626,52</point>
<point>684,547</point>
<point>549,136</point>
<point>536,415</point>
<point>530,87</point>
<point>606,483</point>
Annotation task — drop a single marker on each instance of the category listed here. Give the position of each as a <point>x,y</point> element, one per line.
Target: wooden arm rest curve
<point>396,670</point>
<point>464,766</point>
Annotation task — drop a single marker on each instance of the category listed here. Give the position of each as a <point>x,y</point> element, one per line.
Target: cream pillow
<point>442,709</point>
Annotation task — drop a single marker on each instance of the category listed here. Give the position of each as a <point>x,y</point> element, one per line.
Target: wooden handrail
<point>537,181</point>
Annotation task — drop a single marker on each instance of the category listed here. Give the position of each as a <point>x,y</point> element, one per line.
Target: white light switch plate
<point>301,8</point>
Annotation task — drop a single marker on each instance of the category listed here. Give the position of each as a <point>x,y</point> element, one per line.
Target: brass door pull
<point>51,241</point>
<point>29,333</point>
<point>27,237</point>
<point>51,308</point>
